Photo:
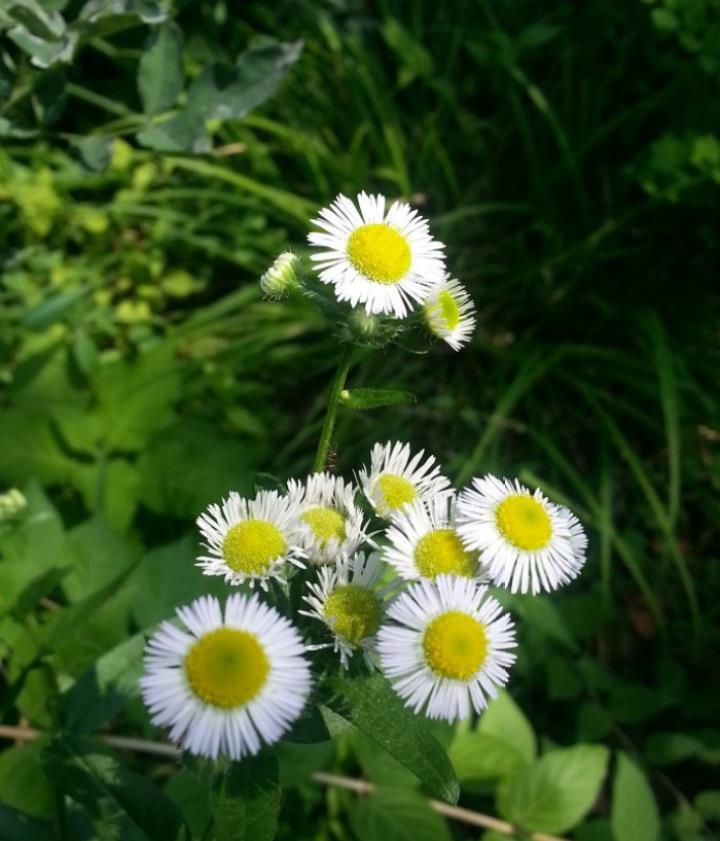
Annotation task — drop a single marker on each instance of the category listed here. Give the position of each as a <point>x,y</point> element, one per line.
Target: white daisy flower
<point>347,599</point>
<point>226,684</point>
<point>396,479</point>
<point>384,260</point>
<point>526,543</point>
<point>446,647</point>
<point>249,539</point>
<point>330,523</point>
<point>424,542</point>
<point>449,313</point>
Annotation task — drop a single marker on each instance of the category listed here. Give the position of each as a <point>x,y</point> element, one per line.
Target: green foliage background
<point>154,160</point>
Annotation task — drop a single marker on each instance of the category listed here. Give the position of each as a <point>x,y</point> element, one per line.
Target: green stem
<point>337,386</point>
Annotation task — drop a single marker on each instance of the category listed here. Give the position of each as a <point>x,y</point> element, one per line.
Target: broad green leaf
<point>191,790</point>
<point>17,826</point>
<point>111,793</point>
<point>44,23</point>
<point>22,785</point>
<point>504,720</point>
<point>37,589</point>
<point>372,706</point>
<point>374,398</point>
<point>708,804</point>
<point>392,813</point>
<point>105,688</point>
<point>479,758</point>
<point>634,815</point>
<point>222,93</point>
<point>160,70</point>
<point>556,792</point>
<point>94,152</point>
<point>668,748</point>
<point>175,481</point>
<point>247,804</point>
<point>378,765</point>
<point>299,761</point>
<point>157,588</point>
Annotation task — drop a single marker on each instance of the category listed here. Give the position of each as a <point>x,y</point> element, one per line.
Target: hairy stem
<point>337,386</point>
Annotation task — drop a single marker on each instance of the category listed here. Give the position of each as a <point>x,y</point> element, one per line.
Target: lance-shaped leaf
<point>371,705</point>
<point>374,398</point>
<point>248,800</point>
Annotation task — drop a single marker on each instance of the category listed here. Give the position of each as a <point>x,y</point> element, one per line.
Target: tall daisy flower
<point>423,542</point>
<point>526,543</point>
<point>227,682</point>
<point>396,478</point>
<point>449,313</point>
<point>446,647</point>
<point>249,539</point>
<point>386,260</point>
<point>347,599</point>
<point>330,524</point>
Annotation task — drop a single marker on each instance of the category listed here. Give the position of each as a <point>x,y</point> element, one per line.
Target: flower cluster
<point>395,567</point>
<point>384,260</point>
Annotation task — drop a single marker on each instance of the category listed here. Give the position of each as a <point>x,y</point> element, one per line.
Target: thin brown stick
<point>361,787</point>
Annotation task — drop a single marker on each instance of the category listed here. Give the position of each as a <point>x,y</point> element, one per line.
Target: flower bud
<point>12,504</point>
<point>281,279</point>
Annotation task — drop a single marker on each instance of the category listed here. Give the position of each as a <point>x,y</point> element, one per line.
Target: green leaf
<point>36,590</point>
<point>17,826</point>
<point>160,70</point>
<point>556,792</point>
<point>105,688</point>
<point>111,793</point>
<point>22,785</point>
<point>94,152</point>
<point>634,815</point>
<point>392,813</point>
<point>223,93</point>
<point>374,398</point>
<point>708,804</point>
<point>506,721</point>
<point>479,758</point>
<point>372,706</point>
<point>248,800</point>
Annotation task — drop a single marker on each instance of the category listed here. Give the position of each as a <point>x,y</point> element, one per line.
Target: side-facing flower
<point>423,542</point>
<point>330,524</point>
<point>526,543</point>
<point>347,599</point>
<point>446,646</point>
<point>449,313</point>
<point>249,539</point>
<point>225,684</point>
<point>386,261</point>
<point>396,478</point>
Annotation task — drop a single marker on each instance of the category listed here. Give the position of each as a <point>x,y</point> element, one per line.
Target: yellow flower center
<point>227,667</point>
<point>443,312</point>
<point>396,491</point>
<point>524,522</point>
<point>379,252</point>
<point>353,612</point>
<point>455,645</point>
<point>440,552</point>
<point>325,524</point>
<point>251,546</point>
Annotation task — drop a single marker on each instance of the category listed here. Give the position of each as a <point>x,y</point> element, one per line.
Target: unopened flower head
<point>423,542</point>
<point>249,539</point>
<point>446,646</point>
<point>227,682</point>
<point>330,524</point>
<point>384,260</point>
<point>12,504</point>
<point>347,599</point>
<point>396,478</point>
<point>281,278</point>
<point>449,313</point>
<point>526,543</point>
